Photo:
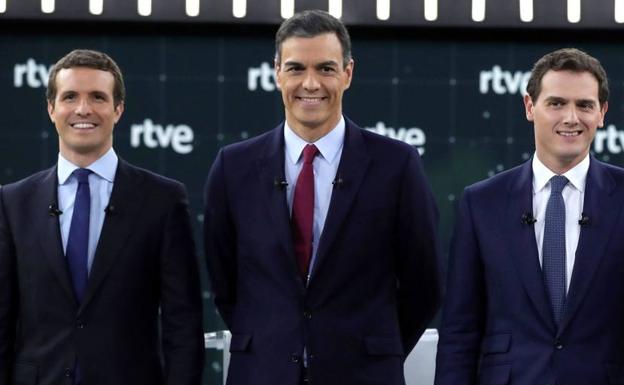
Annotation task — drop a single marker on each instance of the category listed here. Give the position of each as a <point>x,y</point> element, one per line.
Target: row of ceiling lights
<point>287,9</point>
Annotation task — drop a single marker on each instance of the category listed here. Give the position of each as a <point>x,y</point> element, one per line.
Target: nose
<point>571,117</point>
<point>311,83</point>
<point>83,108</point>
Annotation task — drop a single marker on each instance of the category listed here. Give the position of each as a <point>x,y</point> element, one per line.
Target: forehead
<point>84,79</point>
<point>322,47</point>
<point>569,84</point>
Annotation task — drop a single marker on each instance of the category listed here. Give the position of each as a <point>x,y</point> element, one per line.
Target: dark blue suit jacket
<point>374,286</point>
<point>140,321</point>
<point>497,323</point>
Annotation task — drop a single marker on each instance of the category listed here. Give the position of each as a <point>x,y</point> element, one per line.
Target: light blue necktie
<point>554,247</point>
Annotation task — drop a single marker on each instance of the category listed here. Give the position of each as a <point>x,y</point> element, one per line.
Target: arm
<point>220,241</point>
<point>418,292</point>
<point>181,305</point>
<point>8,300</point>
<point>464,308</point>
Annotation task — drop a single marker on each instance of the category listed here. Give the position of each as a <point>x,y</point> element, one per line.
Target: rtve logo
<point>31,74</point>
<point>179,137</point>
<point>264,75</point>
<point>413,136</point>
<point>503,82</point>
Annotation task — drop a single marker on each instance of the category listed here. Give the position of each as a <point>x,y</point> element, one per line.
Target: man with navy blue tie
<point>98,271</point>
<point>321,237</point>
<point>534,292</point>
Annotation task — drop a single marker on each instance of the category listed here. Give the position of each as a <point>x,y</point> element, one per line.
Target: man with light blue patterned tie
<point>535,288</point>
<point>98,271</point>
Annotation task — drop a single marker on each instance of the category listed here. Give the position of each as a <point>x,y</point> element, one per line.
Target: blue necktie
<point>554,246</point>
<point>78,241</point>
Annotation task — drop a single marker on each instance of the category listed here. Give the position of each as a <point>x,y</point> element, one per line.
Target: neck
<point>83,160</point>
<point>313,133</point>
<point>560,166</point>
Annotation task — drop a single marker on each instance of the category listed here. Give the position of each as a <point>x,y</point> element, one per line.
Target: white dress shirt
<point>100,185</point>
<point>325,166</point>
<point>573,194</point>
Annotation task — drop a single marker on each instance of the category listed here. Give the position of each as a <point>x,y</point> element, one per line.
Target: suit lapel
<point>118,225</point>
<point>521,241</point>
<point>352,168</point>
<point>602,206</point>
<point>271,173</point>
<point>45,199</point>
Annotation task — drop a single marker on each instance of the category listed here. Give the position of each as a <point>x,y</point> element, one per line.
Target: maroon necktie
<point>303,211</point>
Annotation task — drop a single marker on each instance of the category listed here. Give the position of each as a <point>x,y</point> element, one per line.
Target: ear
<point>528,107</point>
<point>277,68</point>
<point>51,111</point>
<point>119,111</point>
<point>603,111</point>
<point>349,72</point>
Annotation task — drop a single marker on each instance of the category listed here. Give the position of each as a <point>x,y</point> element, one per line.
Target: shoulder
<point>495,186</point>
<point>149,180</point>
<point>26,185</point>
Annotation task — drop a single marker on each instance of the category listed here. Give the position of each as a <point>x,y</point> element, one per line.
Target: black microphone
<point>528,219</point>
<point>279,183</point>
<point>338,182</point>
<point>109,209</point>
<point>53,210</point>
<point>584,221</point>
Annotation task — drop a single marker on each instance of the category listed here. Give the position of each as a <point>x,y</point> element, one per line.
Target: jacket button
<point>558,345</point>
<point>80,324</point>
<point>295,358</point>
<point>68,372</point>
<point>307,314</point>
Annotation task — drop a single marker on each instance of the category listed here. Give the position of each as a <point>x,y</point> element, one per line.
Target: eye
<point>328,69</point>
<point>586,106</point>
<point>555,103</point>
<point>68,97</point>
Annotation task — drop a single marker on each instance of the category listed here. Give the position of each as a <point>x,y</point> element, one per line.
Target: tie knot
<point>82,174</point>
<point>309,152</point>
<point>557,183</point>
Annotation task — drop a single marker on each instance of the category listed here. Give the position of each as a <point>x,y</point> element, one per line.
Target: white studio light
<point>287,8</point>
<point>192,8</point>
<point>47,6</point>
<point>619,11</point>
<point>335,8</point>
<point>526,10</point>
<point>2,6</point>
<point>239,8</point>
<point>478,10</point>
<point>383,9</point>
<point>431,10</point>
<point>574,11</point>
<point>96,7</point>
<point>144,7</point>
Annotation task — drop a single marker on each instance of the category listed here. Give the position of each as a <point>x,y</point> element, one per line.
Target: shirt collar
<point>329,145</point>
<point>105,167</point>
<point>577,175</point>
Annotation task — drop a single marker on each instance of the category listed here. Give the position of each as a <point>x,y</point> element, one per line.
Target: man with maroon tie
<point>321,237</point>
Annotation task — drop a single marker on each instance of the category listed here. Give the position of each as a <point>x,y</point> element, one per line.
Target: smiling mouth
<point>569,134</point>
<point>310,99</point>
<point>83,125</point>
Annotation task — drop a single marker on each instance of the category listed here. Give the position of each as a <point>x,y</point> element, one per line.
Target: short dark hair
<point>310,24</point>
<point>88,59</point>
<point>568,59</point>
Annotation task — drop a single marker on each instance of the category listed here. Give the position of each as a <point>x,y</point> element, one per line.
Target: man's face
<point>566,115</point>
<point>312,78</point>
<point>84,113</point>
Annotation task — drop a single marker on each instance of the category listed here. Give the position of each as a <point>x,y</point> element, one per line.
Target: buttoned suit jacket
<point>497,326</point>
<point>374,284</point>
<point>145,263</point>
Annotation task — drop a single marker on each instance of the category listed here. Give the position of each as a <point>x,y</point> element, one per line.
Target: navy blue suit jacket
<point>497,325</point>
<point>374,286</point>
<point>140,321</point>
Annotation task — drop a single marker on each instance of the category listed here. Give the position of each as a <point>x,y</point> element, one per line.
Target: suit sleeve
<point>181,304</point>
<point>8,301</point>
<point>220,241</point>
<point>464,307</point>
<point>418,292</point>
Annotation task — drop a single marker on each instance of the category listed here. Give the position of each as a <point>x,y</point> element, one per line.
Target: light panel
<point>287,8</point>
<point>619,11</point>
<point>478,10</point>
<point>526,10</point>
<point>239,8</point>
<point>383,9</point>
<point>144,7</point>
<point>335,8</point>
<point>431,10</point>
<point>574,11</point>
<point>47,6</point>
<point>192,8</point>
<point>96,7</point>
